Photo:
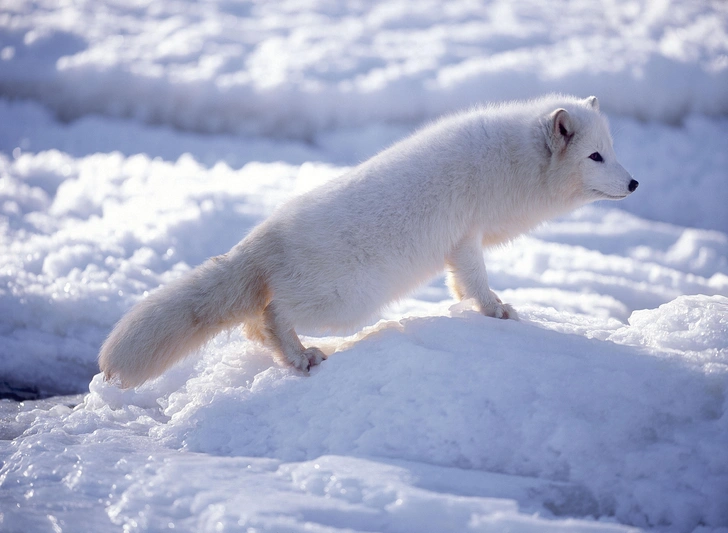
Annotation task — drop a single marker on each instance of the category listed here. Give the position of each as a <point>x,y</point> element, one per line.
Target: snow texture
<point>137,139</point>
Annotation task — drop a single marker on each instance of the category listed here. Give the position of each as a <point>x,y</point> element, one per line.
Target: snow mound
<point>533,419</point>
<point>689,326</point>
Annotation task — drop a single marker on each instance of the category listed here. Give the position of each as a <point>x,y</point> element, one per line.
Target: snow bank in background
<point>27,127</point>
<point>444,423</point>
<point>683,172</point>
<point>345,81</point>
<point>297,68</point>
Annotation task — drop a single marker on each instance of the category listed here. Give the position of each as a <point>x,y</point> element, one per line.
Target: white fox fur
<point>336,255</point>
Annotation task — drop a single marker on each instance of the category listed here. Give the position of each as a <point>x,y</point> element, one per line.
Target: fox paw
<point>500,310</point>
<point>308,358</point>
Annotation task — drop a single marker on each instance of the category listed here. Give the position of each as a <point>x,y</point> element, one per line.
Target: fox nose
<point>633,185</point>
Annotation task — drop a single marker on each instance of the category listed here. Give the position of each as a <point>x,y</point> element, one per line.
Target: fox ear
<point>593,102</point>
<point>561,130</point>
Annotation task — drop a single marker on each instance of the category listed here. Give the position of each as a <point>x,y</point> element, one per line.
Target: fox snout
<point>633,185</point>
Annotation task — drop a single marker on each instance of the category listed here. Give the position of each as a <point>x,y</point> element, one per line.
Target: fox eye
<point>596,156</point>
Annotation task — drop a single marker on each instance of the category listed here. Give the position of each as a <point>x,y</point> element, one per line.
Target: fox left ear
<point>560,132</point>
<point>593,102</point>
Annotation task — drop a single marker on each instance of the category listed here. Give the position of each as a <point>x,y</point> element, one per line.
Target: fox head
<point>581,151</point>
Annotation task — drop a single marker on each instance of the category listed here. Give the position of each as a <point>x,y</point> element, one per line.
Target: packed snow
<point>137,139</point>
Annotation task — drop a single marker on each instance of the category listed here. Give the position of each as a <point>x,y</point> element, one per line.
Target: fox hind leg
<point>283,338</point>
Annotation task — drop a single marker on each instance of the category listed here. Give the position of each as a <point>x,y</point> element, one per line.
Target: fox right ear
<point>593,102</point>
<point>560,130</point>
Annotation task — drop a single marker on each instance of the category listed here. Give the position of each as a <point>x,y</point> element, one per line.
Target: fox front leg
<point>468,278</point>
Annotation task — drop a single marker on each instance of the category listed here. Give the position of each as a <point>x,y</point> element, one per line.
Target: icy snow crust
<point>603,409</point>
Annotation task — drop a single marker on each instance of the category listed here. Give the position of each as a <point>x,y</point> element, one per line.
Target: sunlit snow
<point>139,138</point>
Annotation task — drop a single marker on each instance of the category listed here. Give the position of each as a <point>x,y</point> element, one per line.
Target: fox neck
<point>529,204</point>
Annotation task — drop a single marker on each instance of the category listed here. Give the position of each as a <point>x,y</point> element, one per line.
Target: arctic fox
<point>336,255</point>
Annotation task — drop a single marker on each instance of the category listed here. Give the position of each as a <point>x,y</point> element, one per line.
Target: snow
<point>294,68</point>
<point>137,139</point>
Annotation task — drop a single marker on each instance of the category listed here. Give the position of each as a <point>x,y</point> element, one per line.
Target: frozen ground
<point>137,139</point>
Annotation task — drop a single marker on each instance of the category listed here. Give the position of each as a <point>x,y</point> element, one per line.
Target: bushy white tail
<point>180,317</point>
